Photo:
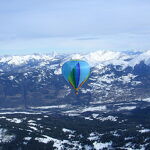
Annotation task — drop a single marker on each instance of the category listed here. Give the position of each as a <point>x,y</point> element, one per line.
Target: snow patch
<point>27,138</point>
<point>49,107</point>
<point>99,145</point>
<point>111,118</point>
<point>96,108</point>
<point>68,130</point>
<point>126,108</point>
<point>146,99</point>
<point>58,71</point>
<point>59,144</point>
<point>34,128</point>
<point>4,137</point>
<point>95,115</point>
<point>15,120</point>
<point>144,130</point>
<point>11,77</point>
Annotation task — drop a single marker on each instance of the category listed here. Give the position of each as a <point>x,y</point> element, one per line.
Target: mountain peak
<point>123,58</point>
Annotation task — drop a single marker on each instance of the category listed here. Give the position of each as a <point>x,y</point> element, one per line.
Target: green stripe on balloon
<point>72,78</point>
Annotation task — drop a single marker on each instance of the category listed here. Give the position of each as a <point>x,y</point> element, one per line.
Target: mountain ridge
<point>36,80</point>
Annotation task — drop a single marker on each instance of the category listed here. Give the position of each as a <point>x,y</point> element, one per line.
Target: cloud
<point>70,24</point>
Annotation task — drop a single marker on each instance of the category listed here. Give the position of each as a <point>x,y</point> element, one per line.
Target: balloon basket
<point>76,92</point>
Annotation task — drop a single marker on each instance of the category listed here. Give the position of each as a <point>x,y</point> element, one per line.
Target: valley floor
<point>89,130</point>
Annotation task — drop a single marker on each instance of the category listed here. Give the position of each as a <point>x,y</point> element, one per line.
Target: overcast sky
<point>30,26</point>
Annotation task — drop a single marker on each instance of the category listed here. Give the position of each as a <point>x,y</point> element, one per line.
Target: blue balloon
<point>76,72</point>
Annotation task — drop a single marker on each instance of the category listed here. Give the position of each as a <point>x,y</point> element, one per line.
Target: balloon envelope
<point>76,72</point>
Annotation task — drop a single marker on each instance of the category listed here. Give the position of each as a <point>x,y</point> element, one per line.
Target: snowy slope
<point>19,60</point>
<point>115,76</point>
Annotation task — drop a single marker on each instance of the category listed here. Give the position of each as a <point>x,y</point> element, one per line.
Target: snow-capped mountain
<point>39,110</point>
<point>37,80</point>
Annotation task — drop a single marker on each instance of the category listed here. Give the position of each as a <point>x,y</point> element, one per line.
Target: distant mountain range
<point>36,80</point>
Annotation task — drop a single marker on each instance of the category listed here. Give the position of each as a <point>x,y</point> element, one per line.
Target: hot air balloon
<point>76,72</point>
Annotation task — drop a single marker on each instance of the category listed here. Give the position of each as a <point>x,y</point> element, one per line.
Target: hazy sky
<point>30,26</point>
